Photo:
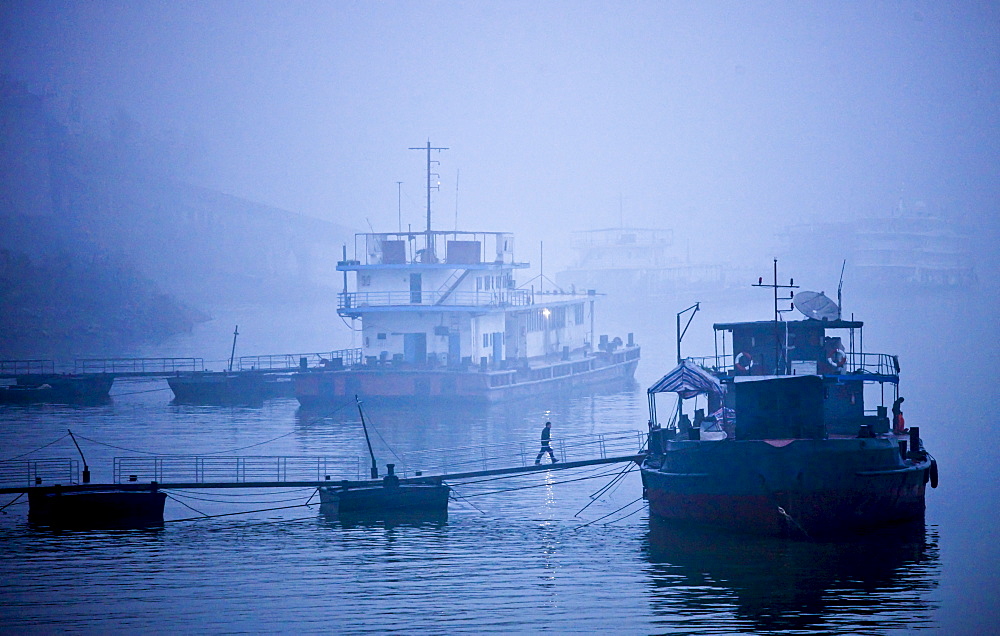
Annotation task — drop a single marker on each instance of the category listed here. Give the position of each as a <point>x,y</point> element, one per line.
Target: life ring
<point>743,362</point>
<point>933,471</point>
<point>837,359</point>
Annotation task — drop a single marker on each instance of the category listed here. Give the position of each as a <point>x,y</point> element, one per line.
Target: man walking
<point>546,437</point>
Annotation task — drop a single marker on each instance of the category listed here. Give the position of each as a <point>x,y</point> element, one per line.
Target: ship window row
<point>501,281</point>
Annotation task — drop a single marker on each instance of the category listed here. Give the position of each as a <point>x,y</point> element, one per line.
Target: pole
<point>232,354</point>
<point>680,334</point>
<point>86,468</point>
<point>399,208</point>
<point>429,246</point>
<point>367,439</point>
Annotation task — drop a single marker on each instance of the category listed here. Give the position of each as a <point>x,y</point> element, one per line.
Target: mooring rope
<point>609,514</point>
<point>37,449</point>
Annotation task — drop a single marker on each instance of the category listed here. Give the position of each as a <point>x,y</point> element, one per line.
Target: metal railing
<point>202,469</point>
<point>488,457</point>
<point>484,298</point>
<point>26,367</point>
<point>39,472</point>
<point>407,248</point>
<point>137,365</point>
<point>881,364</point>
<point>292,361</point>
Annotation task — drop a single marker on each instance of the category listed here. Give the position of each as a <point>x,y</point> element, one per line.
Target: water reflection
<point>384,519</point>
<point>880,579</point>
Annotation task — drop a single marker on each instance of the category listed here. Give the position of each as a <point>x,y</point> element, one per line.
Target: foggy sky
<point>720,120</point>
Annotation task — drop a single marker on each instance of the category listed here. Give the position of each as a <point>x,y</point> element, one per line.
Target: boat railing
<point>137,365</point>
<point>621,238</point>
<point>205,469</point>
<point>39,472</point>
<point>293,361</point>
<point>435,247</point>
<point>485,298</point>
<point>877,364</point>
<point>491,456</point>
<point>26,367</point>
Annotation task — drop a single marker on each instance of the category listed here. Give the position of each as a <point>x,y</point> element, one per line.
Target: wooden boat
<point>788,445</point>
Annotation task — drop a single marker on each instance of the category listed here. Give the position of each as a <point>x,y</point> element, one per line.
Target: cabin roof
<point>826,324</point>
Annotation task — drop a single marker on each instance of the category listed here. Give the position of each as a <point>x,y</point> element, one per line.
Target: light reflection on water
<point>515,561</point>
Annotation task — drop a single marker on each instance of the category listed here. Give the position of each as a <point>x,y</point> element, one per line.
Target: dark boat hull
<point>322,388</point>
<point>59,389</point>
<point>240,387</point>
<point>430,498</point>
<point>96,510</point>
<point>815,487</point>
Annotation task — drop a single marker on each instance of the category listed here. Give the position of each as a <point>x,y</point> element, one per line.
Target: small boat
<point>242,386</point>
<point>787,444</point>
<point>391,497</point>
<point>229,387</point>
<point>78,388</point>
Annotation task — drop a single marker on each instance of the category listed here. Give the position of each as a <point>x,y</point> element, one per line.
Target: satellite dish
<point>816,306</point>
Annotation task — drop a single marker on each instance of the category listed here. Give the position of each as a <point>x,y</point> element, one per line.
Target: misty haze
<point>224,209</point>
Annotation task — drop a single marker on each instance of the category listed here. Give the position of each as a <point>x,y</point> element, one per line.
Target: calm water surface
<point>522,560</point>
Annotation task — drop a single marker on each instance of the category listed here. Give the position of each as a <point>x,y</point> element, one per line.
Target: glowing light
<point>546,312</point>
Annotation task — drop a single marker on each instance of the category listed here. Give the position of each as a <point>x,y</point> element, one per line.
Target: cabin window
<point>365,280</point>
<point>486,340</point>
<point>380,336</point>
<point>578,313</point>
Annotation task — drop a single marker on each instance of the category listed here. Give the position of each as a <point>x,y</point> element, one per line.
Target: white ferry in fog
<point>441,317</point>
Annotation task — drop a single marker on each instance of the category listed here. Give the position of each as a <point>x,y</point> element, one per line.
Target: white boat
<point>441,316</point>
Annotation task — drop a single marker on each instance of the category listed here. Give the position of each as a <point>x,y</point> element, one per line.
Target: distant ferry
<point>442,317</point>
<point>913,248</point>
<point>636,263</point>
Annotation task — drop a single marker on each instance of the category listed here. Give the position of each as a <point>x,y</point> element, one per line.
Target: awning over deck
<point>688,380</point>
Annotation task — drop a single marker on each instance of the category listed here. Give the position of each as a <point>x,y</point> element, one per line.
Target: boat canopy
<point>688,380</point>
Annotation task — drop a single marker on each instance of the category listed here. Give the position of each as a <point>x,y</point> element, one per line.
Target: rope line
<point>37,449</point>
<point>11,503</point>
<point>565,481</point>
<point>609,514</point>
<point>231,514</point>
<point>224,501</point>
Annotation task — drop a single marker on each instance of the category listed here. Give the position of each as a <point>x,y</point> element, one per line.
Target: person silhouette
<point>546,438</point>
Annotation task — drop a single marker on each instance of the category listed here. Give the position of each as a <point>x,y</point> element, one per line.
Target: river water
<point>515,555</point>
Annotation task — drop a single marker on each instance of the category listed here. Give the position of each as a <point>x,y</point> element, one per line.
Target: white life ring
<point>743,362</point>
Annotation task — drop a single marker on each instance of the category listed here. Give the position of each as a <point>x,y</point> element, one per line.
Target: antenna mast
<point>779,362</point>
<point>429,254</point>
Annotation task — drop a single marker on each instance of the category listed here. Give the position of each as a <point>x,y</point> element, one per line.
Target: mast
<point>429,253</point>
<point>232,354</point>
<point>778,353</point>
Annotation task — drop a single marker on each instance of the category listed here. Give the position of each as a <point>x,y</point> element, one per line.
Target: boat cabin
<point>450,299</point>
<point>787,380</point>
